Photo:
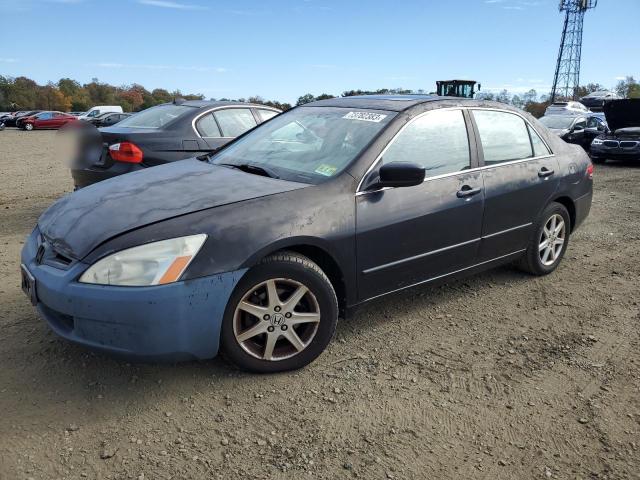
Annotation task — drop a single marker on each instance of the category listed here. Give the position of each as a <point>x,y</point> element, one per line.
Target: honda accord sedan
<point>259,248</point>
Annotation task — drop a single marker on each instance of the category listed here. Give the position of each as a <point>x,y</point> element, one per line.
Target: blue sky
<point>281,49</point>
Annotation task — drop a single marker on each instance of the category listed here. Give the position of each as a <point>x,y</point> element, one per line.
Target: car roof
<point>401,103</point>
<point>217,103</point>
<point>394,103</point>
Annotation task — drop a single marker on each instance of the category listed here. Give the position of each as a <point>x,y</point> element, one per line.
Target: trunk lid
<point>95,143</point>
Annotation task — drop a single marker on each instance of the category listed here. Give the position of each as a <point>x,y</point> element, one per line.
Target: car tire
<point>291,333</point>
<point>28,127</point>
<point>545,252</point>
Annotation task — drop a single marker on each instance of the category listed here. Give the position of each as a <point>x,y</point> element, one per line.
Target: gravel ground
<point>501,375</point>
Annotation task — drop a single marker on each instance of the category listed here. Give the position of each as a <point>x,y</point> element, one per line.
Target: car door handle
<point>467,191</point>
<point>545,172</point>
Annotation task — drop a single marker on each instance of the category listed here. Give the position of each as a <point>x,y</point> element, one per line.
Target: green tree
<point>628,88</point>
<point>305,99</point>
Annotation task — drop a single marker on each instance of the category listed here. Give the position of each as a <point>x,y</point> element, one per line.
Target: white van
<point>99,110</point>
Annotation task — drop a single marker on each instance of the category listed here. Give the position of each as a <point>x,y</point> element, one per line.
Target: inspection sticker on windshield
<point>365,116</point>
<point>326,170</point>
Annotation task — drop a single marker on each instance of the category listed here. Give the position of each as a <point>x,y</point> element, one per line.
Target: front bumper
<point>173,322</point>
<point>614,153</point>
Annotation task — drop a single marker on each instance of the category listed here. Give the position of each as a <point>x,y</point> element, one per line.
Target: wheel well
<point>329,266</point>
<point>571,208</point>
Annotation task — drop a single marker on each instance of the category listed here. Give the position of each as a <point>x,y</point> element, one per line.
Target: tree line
<point>22,93</point>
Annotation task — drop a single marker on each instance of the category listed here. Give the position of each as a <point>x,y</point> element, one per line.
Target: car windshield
<point>306,144</point>
<point>155,117</point>
<point>557,121</point>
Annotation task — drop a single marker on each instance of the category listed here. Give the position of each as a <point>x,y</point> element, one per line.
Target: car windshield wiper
<point>252,168</point>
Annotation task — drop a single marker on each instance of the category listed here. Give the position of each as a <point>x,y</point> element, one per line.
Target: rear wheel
<point>549,241</point>
<point>281,316</point>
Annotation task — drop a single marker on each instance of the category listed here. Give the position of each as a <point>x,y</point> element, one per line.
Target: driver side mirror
<point>399,174</point>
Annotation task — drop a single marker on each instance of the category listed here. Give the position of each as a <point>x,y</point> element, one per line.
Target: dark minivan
<point>260,247</point>
<point>163,134</point>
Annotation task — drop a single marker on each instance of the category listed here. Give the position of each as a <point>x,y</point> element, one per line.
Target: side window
<point>207,126</point>
<point>592,122</point>
<point>266,114</point>
<point>503,135</point>
<point>235,121</point>
<point>539,148</point>
<point>45,116</point>
<point>437,140</point>
<point>581,124</point>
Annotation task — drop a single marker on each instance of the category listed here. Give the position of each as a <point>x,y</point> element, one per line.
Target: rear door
<point>265,114</point>
<point>207,127</point>
<point>520,176</point>
<point>233,122</point>
<point>409,235</point>
<point>59,119</point>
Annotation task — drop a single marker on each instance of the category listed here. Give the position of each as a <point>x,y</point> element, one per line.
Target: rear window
<point>155,117</point>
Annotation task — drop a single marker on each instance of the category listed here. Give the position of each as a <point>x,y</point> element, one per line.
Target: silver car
<point>566,108</point>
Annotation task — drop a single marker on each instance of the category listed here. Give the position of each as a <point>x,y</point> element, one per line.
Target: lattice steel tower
<point>565,81</point>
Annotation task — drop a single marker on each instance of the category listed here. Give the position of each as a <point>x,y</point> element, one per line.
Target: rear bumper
<point>583,207</point>
<point>173,322</point>
<point>85,176</point>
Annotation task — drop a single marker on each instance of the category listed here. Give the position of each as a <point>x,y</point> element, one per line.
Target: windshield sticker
<point>365,116</point>
<point>326,170</point>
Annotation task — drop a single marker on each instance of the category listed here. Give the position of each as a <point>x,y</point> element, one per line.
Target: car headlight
<point>155,263</point>
<point>597,141</point>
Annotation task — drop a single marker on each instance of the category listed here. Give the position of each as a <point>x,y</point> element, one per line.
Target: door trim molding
<point>445,275</point>
<point>495,234</point>
<point>417,257</point>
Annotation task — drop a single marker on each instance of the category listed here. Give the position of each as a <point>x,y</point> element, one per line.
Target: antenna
<point>567,76</point>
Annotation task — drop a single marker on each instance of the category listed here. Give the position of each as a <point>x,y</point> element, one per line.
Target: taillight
<point>590,171</point>
<point>126,152</point>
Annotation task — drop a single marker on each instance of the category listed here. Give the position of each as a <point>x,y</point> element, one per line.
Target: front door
<point>409,235</point>
<point>520,177</point>
<point>44,120</point>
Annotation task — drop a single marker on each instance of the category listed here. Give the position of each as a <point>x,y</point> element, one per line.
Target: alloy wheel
<point>552,240</point>
<point>276,319</point>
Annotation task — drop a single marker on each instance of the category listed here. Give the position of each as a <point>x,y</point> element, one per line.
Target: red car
<point>47,120</point>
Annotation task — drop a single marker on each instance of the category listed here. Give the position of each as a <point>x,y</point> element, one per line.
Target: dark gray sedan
<point>259,248</point>
<point>162,134</point>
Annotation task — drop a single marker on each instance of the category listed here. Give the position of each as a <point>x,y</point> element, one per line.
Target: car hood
<point>79,222</point>
<point>622,113</point>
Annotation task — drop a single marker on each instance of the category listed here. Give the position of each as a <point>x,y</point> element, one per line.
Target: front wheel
<point>28,127</point>
<point>549,241</point>
<point>281,316</point>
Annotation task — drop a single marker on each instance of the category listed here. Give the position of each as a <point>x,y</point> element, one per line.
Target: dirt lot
<point>498,376</point>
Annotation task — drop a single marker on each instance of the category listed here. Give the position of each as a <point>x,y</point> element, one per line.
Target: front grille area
<point>628,144</point>
<point>611,143</point>
<point>47,255</point>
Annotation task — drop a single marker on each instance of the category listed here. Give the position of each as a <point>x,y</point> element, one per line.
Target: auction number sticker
<point>365,116</point>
